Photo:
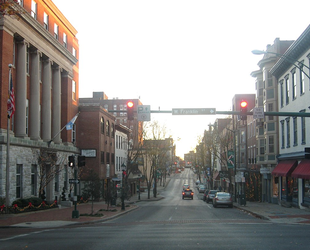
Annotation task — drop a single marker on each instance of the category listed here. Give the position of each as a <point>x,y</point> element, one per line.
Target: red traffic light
<point>130,108</point>
<point>243,104</point>
<point>130,104</point>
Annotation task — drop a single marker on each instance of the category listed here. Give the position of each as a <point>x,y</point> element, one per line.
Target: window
<point>281,94</point>
<point>34,9</point>
<point>74,52</point>
<point>112,130</point>
<point>271,126</point>
<point>302,83</point>
<point>20,2</point>
<point>65,40</point>
<point>73,90</point>
<point>294,84</point>
<point>56,31</point>
<point>19,180</point>
<point>261,146</point>
<point>57,178</point>
<point>282,135</point>
<point>271,144</point>
<point>295,131</point>
<point>287,89</point>
<point>102,157</point>
<point>303,129</point>
<point>270,93</point>
<point>45,17</point>
<point>108,158</point>
<point>270,109</point>
<point>107,128</point>
<point>34,180</point>
<point>288,132</point>
<point>102,125</point>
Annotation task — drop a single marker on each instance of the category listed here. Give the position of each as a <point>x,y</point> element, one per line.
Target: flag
<point>69,125</point>
<point>11,100</point>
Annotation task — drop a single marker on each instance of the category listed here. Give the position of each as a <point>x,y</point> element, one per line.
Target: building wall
<point>91,136</point>
<point>43,71</point>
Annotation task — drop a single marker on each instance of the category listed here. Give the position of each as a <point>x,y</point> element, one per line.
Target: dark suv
<point>211,195</point>
<point>187,193</point>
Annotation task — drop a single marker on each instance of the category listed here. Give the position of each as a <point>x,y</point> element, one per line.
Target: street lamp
<point>287,58</point>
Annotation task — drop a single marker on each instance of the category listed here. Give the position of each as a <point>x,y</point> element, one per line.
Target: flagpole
<point>7,186</point>
<point>62,129</point>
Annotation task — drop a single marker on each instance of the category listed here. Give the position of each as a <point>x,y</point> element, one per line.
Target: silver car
<point>222,198</point>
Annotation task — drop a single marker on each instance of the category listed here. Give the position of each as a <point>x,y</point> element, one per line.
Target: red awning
<point>303,170</point>
<point>284,168</point>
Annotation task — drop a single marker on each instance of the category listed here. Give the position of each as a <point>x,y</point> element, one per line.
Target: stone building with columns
<point>42,48</point>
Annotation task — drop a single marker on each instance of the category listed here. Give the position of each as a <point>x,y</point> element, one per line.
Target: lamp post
<point>123,191</point>
<point>287,58</point>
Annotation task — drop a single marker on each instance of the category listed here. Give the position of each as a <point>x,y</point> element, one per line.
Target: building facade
<point>42,48</point>
<point>267,130</point>
<point>292,173</point>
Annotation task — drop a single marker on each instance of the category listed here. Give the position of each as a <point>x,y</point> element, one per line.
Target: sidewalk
<point>62,216</point>
<point>276,213</point>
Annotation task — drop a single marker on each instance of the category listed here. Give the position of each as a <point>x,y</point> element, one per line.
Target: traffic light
<point>130,108</point>
<point>71,162</point>
<point>243,110</point>
<point>81,161</point>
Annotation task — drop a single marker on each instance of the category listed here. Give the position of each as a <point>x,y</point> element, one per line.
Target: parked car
<point>205,195</point>
<point>211,195</point>
<point>185,186</point>
<point>222,198</point>
<point>197,182</point>
<point>202,189</point>
<point>200,186</point>
<point>187,193</point>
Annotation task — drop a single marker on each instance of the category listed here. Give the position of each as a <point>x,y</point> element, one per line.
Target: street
<point>170,223</point>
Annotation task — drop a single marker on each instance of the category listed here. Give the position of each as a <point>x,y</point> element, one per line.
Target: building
<point>292,173</point>
<point>41,45</point>
<point>267,129</point>
<point>118,107</point>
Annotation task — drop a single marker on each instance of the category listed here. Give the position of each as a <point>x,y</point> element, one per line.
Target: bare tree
<point>9,8</point>
<point>50,165</point>
<point>155,147</point>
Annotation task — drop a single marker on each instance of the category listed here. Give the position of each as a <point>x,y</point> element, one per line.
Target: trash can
<point>113,202</point>
<point>242,200</point>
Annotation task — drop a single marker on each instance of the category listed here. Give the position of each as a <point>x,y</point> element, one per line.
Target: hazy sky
<point>177,53</point>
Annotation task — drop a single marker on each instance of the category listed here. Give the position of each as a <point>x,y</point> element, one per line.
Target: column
<point>21,87</point>
<point>34,104</point>
<point>46,101</point>
<point>56,105</point>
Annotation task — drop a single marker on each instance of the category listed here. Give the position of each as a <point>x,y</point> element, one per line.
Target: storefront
<point>302,172</point>
<point>288,186</point>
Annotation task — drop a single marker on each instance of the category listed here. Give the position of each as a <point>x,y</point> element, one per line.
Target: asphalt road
<point>171,223</point>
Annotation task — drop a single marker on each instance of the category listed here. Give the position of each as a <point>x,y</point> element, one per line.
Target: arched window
<point>102,125</point>
<point>112,130</point>
<point>107,129</point>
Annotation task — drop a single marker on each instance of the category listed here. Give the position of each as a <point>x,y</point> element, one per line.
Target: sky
<point>177,53</point>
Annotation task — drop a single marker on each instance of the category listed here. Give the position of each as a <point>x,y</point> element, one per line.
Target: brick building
<point>42,47</point>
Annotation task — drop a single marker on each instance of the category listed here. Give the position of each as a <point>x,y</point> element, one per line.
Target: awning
<point>302,170</point>
<point>284,168</point>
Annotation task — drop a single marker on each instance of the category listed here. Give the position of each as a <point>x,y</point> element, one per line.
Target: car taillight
<point>183,193</point>
<point>217,199</point>
<point>192,193</point>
